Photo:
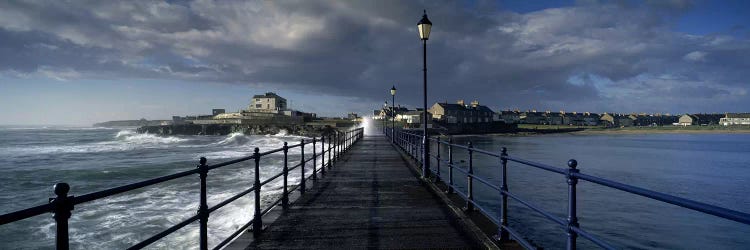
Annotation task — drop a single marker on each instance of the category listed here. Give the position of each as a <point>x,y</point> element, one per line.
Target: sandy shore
<point>659,131</point>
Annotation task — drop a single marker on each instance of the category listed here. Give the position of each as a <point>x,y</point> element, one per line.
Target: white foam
<point>282,132</point>
<point>132,137</point>
<point>234,139</point>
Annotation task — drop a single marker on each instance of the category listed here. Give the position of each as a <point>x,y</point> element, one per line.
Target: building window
<point>257,106</point>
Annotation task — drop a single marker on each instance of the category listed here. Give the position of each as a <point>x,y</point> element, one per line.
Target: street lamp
<point>393,110</point>
<point>424,26</point>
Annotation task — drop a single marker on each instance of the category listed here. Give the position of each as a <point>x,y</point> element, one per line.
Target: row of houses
<point>727,119</point>
<point>461,113</point>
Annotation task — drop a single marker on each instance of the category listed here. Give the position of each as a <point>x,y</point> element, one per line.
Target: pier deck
<point>369,199</point>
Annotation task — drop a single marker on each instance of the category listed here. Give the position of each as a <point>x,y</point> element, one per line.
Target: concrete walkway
<point>369,199</point>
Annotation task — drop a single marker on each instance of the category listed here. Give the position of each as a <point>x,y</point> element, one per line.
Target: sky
<point>81,62</point>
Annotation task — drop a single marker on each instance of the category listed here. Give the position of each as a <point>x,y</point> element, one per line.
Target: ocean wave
<point>53,128</point>
<point>133,137</point>
<point>281,132</point>
<point>124,140</point>
<point>234,139</point>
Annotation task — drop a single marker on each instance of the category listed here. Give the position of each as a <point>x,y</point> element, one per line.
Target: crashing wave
<point>135,138</point>
<point>234,139</point>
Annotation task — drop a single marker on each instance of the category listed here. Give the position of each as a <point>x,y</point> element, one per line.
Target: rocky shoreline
<point>225,129</point>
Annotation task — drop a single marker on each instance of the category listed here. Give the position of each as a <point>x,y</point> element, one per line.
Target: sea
<point>34,158</point>
<point>710,168</point>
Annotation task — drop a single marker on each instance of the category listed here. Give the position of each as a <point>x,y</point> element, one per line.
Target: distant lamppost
<point>393,111</point>
<point>424,26</point>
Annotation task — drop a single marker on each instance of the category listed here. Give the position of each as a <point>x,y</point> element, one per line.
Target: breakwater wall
<point>475,128</point>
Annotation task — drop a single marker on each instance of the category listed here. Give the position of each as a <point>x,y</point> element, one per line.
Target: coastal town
<point>474,113</point>
<point>269,113</point>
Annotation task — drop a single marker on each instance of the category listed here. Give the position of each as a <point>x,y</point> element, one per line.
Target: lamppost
<point>393,111</point>
<point>424,26</point>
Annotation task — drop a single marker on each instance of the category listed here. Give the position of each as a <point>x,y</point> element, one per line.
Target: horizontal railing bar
<point>447,163</point>
<point>295,187</point>
<point>457,191</point>
<point>234,235</point>
<point>121,189</point>
<point>466,172</point>
<point>164,233</point>
<point>231,162</point>
<point>538,210</point>
<point>486,212</point>
<point>272,178</point>
<point>231,199</point>
<point>592,238</point>
<point>25,213</point>
<point>517,236</point>
<point>485,152</point>
<point>272,151</point>
<point>671,199</point>
<point>294,167</point>
<point>537,165</point>
<point>486,182</point>
<point>308,159</point>
<point>265,211</point>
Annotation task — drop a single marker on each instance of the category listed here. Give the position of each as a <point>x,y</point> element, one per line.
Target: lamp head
<point>424,26</point>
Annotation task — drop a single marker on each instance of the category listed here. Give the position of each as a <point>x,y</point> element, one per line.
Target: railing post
<point>437,168</point>
<point>470,181</point>
<point>257,221</point>
<point>323,154</point>
<point>62,205</point>
<point>572,218</point>
<point>414,147</point>
<point>302,167</point>
<point>203,207</point>
<point>330,146</point>
<point>337,146</point>
<point>285,194</point>
<point>450,165</point>
<point>315,155</point>
<point>425,156</point>
<point>502,233</point>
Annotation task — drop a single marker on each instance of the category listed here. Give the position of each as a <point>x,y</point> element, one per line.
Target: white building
<point>268,103</point>
<point>735,119</point>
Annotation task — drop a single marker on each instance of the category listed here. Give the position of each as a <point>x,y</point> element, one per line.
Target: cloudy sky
<point>80,62</point>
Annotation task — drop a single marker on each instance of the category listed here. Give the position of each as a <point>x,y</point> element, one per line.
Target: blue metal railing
<point>62,205</point>
<point>412,142</point>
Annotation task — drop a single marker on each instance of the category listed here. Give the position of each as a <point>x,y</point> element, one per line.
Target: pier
<point>372,191</point>
<point>370,199</point>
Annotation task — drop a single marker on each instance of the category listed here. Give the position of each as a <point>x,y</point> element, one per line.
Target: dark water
<point>710,168</point>
<point>32,159</point>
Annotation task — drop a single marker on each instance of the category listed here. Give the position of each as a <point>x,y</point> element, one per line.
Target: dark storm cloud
<point>619,52</point>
